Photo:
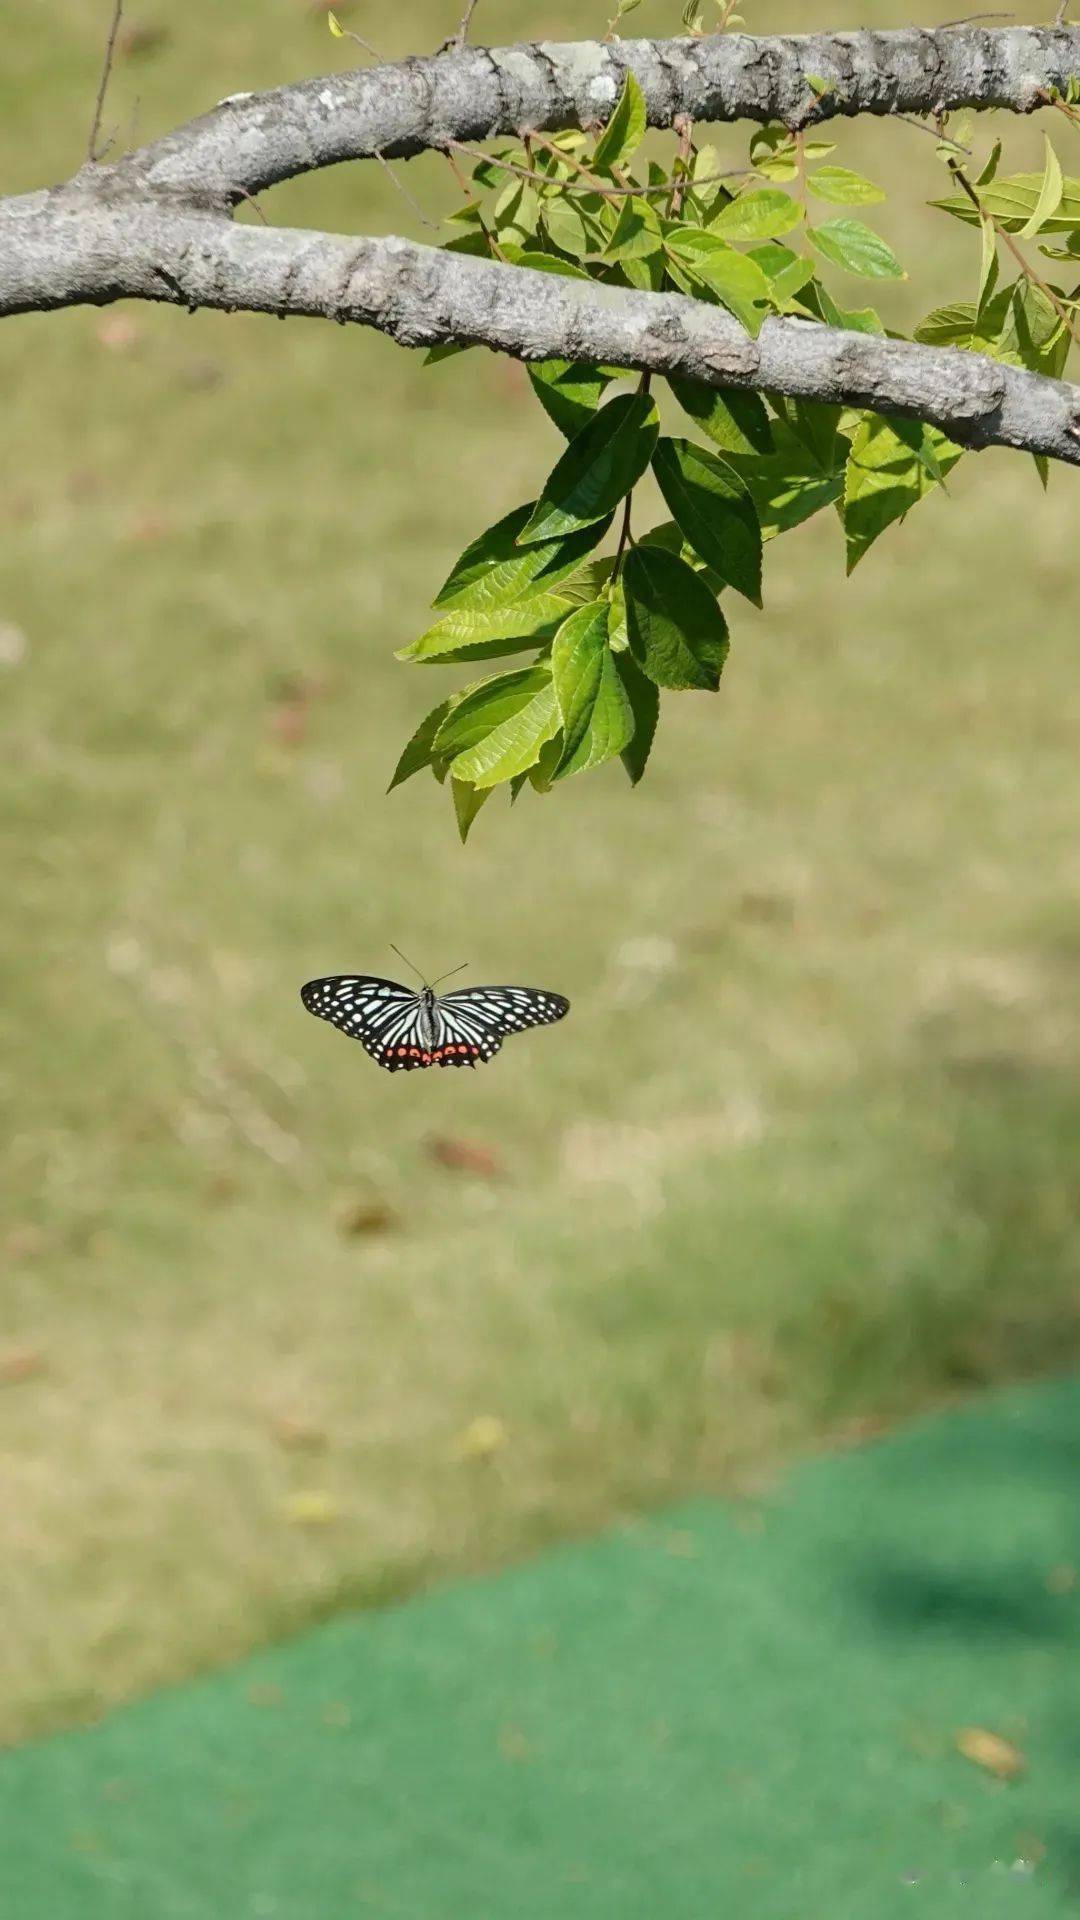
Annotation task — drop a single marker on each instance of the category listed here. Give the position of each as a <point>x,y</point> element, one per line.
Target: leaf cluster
<point>607,631</point>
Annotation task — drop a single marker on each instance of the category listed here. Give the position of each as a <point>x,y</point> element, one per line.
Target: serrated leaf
<point>989,171</point>
<point>568,226</point>
<point>735,280</point>
<point>678,635</point>
<point>494,572</point>
<point>1049,199</point>
<point>672,539</point>
<point>951,326</point>
<point>1013,201</point>
<point>791,483</point>
<point>598,469</point>
<point>513,746</point>
<point>625,130</point>
<point>713,511</point>
<point>539,262</point>
<point>418,752</point>
<point>644,697</point>
<point>477,710</point>
<point>850,319</point>
<point>569,392</point>
<point>468,801</point>
<point>731,419</point>
<point>636,233</point>
<point>887,475</point>
<point>843,187</point>
<point>764,214</point>
<point>988,264</point>
<point>856,248</point>
<point>467,633</point>
<point>597,719</point>
<point>787,272</point>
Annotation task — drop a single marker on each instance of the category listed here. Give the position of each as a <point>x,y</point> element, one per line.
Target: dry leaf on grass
<point>991,1751</point>
<point>482,1438</point>
<point>465,1156</point>
<point>311,1508</point>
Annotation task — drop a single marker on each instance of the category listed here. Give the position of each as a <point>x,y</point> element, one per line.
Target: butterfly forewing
<point>403,1030</point>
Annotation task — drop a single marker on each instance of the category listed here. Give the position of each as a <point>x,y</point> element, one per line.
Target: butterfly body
<point>403,1029</point>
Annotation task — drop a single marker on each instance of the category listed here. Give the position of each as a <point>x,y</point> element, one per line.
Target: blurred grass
<point>802,1159</point>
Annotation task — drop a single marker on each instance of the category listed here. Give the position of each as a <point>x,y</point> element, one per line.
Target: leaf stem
<point>644,384</point>
<point>1007,240</point>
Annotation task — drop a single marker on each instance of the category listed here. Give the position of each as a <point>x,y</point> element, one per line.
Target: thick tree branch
<point>65,248</point>
<point>252,141</point>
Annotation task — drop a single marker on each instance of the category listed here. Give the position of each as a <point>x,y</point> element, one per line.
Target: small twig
<point>403,190</point>
<point>644,384</point>
<point>253,203</point>
<point>346,33</point>
<point>457,40</point>
<point>684,127</point>
<point>729,9</point>
<point>1062,13</point>
<point>969,19</point>
<point>532,138</point>
<point>935,133</point>
<point>1007,240</point>
<point>110,49</point>
<point>609,193</point>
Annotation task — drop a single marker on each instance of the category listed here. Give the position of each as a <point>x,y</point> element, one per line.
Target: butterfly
<point>403,1029</point>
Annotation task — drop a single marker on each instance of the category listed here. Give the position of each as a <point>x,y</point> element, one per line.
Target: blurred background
<point>281,1335</point>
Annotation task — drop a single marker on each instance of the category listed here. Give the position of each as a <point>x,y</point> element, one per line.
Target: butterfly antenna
<point>450,975</point>
<point>408,963</point>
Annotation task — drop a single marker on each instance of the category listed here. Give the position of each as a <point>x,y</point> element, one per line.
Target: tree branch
<point>66,247</point>
<point>253,141</point>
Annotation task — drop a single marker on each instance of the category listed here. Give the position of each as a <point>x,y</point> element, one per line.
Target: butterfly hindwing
<point>403,1030</point>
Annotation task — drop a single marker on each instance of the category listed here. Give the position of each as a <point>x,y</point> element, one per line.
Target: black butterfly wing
<point>473,1022</point>
<point>382,1015</point>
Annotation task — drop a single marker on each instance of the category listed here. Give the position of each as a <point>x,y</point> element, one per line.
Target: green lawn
<point>801,1160</point>
<point>766,1708</point>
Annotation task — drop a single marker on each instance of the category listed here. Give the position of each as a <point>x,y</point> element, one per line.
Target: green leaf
<point>791,483</point>
<point>843,187</point>
<point>951,326</point>
<point>598,468</point>
<point>989,171</point>
<point>677,632</point>
<point>494,572</point>
<point>467,804</point>
<point>713,511</point>
<point>856,248</point>
<point>1049,200</point>
<point>1042,468</point>
<point>568,392</point>
<point>786,272</point>
<point>468,633</point>
<point>513,745</point>
<point>761,215</point>
<point>626,128</point>
<point>773,152</point>
<point>479,709</point>
<point>418,752</point>
<point>636,234</point>
<point>570,228</point>
<point>1012,202</point>
<point>988,265</point>
<point>543,262</point>
<point>736,280</point>
<point>891,467</point>
<point>851,319</point>
<point>671,538</point>
<point>597,719</point>
<point>644,697</point>
<point>733,420</point>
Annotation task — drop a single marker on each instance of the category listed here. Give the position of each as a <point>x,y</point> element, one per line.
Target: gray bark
<point>251,142</point>
<point>64,248</point>
<point>156,224</point>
